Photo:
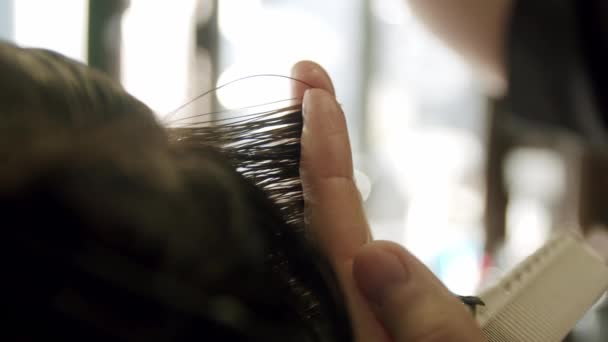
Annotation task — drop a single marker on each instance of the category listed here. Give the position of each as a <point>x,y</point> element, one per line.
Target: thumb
<point>408,299</point>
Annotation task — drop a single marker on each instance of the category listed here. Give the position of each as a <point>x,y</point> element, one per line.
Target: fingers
<point>336,211</point>
<point>408,300</point>
<point>309,75</point>
<point>332,199</point>
<point>333,203</point>
<point>404,295</point>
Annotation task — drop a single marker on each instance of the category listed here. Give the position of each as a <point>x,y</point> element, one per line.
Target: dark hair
<point>115,228</point>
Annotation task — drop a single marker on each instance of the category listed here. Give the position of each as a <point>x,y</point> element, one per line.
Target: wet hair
<point>116,228</point>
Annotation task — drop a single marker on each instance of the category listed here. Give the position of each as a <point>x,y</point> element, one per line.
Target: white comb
<point>544,297</point>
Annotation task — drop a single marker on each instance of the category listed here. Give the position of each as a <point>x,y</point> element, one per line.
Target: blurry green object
<point>105,35</point>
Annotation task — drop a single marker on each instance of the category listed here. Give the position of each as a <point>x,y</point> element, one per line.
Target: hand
<point>391,296</point>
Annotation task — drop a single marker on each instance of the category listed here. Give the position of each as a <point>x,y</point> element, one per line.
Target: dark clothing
<point>557,55</point>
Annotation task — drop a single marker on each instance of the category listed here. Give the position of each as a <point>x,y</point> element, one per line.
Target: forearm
<point>475,28</point>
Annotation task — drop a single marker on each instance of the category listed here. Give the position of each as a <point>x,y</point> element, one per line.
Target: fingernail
<point>377,272</point>
<point>305,99</point>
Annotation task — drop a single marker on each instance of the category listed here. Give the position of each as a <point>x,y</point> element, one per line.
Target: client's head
<point>111,232</point>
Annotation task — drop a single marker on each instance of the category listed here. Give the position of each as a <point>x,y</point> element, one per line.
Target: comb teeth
<point>545,296</point>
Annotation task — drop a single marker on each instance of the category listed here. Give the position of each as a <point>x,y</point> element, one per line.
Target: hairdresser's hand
<point>391,295</point>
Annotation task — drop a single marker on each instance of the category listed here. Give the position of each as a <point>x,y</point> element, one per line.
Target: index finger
<point>309,75</point>
<point>333,201</point>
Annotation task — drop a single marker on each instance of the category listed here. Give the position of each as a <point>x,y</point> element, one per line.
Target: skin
<point>391,295</point>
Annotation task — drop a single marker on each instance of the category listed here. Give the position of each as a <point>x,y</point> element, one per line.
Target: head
<point>115,227</point>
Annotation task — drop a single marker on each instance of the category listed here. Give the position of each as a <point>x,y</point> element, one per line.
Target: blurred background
<point>468,190</point>
<point>418,120</point>
<point>443,169</point>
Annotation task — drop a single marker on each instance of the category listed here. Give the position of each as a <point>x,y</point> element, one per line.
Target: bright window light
<point>157,44</point>
<point>270,40</point>
<point>59,25</point>
<point>392,12</point>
